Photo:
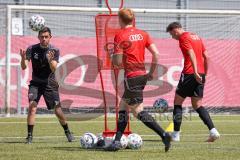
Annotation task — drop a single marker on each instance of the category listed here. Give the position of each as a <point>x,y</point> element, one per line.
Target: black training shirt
<point>40,66</point>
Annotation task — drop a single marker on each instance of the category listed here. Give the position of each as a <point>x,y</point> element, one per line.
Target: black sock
<point>30,130</point>
<point>203,114</point>
<point>150,122</point>
<point>65,127</point>
<point>122,124</point>
<point>177,117</point>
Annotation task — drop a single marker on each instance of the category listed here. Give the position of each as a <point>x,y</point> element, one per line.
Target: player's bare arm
<point>24,61</point>
<point>154,51</point>
<point>117,59</point>
<point>194,65</point>
<point>51,61</point>
<point>205,56</point>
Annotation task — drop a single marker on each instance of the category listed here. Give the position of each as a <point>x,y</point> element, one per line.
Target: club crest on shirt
<point>35,55</point>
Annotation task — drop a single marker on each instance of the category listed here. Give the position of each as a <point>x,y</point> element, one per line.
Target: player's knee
<point>32,108</point>
<point>57,109</point>
<point>33,104</point>
<point>134,113</point>
<point>178,100</point>
<point>32,111</point>
<point>136,110</point>
<point>123,105</point>
<point>196,104</point>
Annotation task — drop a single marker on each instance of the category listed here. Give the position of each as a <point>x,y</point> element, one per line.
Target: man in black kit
<point>44,58</point>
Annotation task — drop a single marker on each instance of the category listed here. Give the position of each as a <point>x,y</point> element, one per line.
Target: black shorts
<point>50,94</point>
<point>189,87</point>
<point>133,93</point>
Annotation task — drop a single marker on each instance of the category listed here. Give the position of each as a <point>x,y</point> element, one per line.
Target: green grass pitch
<point>50,142</point>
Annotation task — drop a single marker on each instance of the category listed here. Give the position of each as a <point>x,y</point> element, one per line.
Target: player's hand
<point>23,54</point>
<point>149,77</point>
<point>50,55</point>
<point>198,78</point>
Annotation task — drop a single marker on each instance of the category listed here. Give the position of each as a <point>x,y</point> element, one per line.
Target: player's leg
<point>177,116</point>
<point>151,123</point>
<point>123,106</point>
<point>34,94</point>
<point>62,119</point>
<point>183,90</point>
<point>52,99</point>
<point>122,124</point>
<point>134,99</point>
<point>203,113</point>
<point>122,120</point>
<point>31,121</point>
<point>205,117</point>
<point>127,98</point>
<point>60,115</point>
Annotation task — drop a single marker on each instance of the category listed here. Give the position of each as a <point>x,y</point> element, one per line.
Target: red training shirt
<point>131,42</point>
<point>189,41</point>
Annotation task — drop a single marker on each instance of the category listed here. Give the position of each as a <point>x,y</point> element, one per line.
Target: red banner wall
<point>80,83</point>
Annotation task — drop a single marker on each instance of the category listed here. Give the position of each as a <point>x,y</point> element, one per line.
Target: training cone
<point>169,127</point>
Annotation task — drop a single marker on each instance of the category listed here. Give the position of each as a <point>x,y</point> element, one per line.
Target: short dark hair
<point>45,29</point>
<point>173,25</point>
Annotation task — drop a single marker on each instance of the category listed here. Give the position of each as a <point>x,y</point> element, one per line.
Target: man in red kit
<point>129,52</point>
<point>191,83</point>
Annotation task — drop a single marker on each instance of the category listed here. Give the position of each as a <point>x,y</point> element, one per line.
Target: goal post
<point>218,28</point>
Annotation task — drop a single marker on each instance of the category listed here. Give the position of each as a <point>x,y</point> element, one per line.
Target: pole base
<point>110,133</point>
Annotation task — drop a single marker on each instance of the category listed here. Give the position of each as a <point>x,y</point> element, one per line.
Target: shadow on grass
<point>79,149</point>
<point>22,142</point>
<point>152,140</point>
<point>13,142</point>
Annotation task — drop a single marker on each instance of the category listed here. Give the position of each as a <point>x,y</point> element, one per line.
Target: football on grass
<point>88,140</point>
<point>134,141</point>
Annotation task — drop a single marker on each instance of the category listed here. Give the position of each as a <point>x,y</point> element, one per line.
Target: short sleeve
<point>148,41</point>
<point>117,42</point>
<point>56,55</point>
<point>203,46</point>
<point>185,44</point>
<point>29,53</point>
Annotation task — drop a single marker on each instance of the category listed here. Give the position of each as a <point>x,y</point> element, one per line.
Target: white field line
<point>101,121</point>
<point>50,137</point>
<point>110,115</point>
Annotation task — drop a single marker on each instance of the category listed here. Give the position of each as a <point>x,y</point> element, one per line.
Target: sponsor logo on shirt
<point>135,37</point>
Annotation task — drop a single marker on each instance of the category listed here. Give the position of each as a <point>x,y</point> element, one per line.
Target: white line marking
<point>185,135</point>
<point>101,121</point>
<point>112,115</point>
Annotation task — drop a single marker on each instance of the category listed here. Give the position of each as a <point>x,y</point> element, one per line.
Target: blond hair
<point>126,15</point>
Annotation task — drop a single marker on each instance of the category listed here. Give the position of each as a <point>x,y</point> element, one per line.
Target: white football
<point>88,140</point>
<point>134,141</point>
<point>108,141</point>
<point>36,22</point>
<point>123,141</point>
<point>100,140</point>
<point>100,136</point>
<point>160,105</point>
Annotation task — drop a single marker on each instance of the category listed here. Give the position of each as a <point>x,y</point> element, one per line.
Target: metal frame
<point>137,10</point>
